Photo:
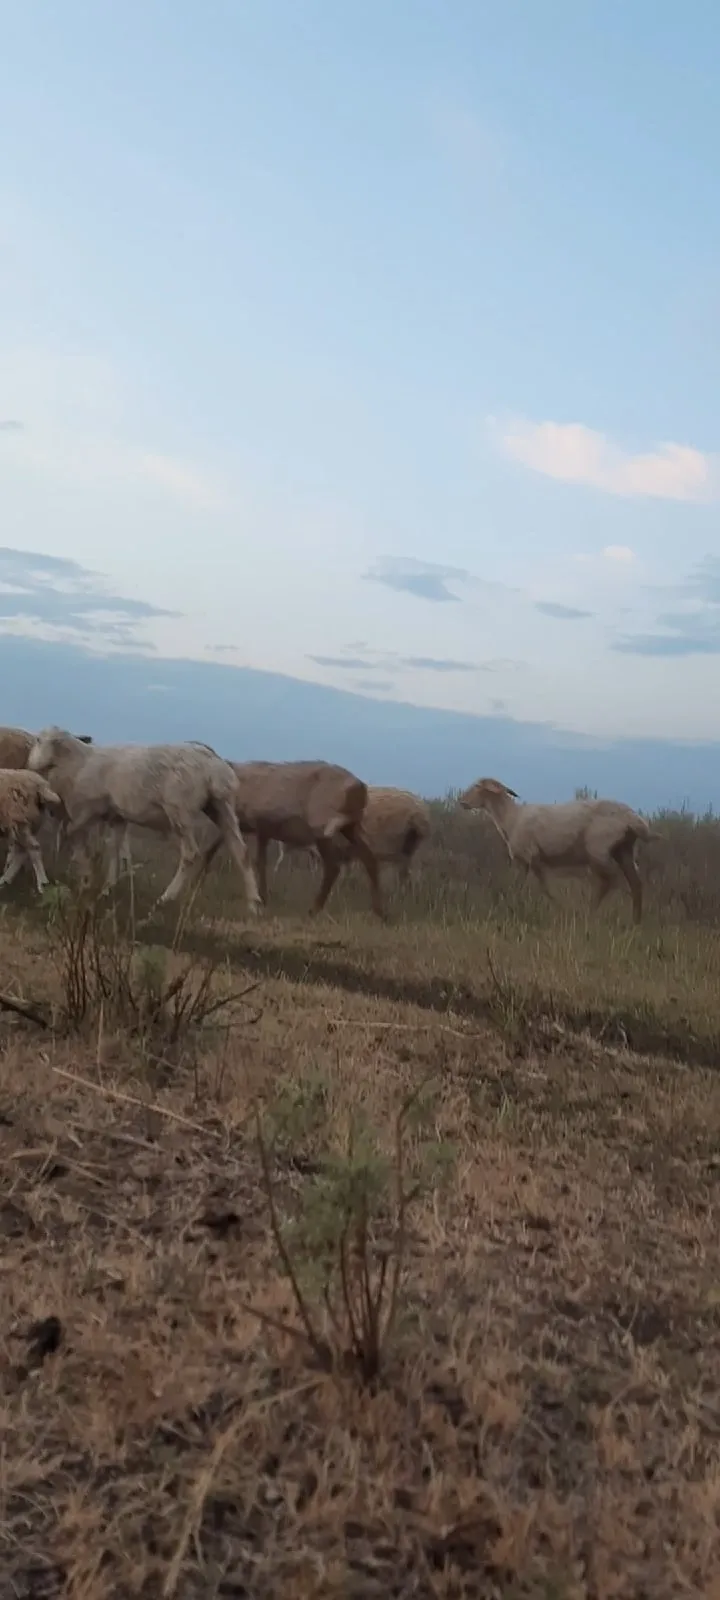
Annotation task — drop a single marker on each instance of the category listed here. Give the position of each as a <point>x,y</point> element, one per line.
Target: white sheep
<point>595,836</point>
<point>168,788</point>
<point>24,798</point>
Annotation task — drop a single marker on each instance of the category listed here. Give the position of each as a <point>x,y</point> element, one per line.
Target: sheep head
<point>49,746</point>
<point>482,795</point>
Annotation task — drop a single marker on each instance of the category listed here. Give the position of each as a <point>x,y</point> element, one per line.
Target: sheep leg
<point>364,854</point>
<point>126,860</point>
<point>59,837</point>
<point>406,859</point>
<point>261,866</point>
<point>625,858</point>
<point>120,859</point>
<point>76,831</point>
<point>538,871</point>
<point>235,844</point>
<point>13,863</point>
<point>113,867</point>
<point>23,844</point>
<point>211,852</point>
<point>30,845</point>
<point>331,870</point>
<point>279,858</point>
<point>603,882</point>
<point>189,857</point>
<point>229,834</point>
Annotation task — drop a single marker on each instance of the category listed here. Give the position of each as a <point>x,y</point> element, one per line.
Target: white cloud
<point>93,460</point>
<point>197,489</point>
<point>77,425</point>
<point>571,453</point>
<point>611,557</point>
<point>619,552</point>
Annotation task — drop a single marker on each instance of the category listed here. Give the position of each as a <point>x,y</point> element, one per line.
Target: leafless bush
<point>109,979</point>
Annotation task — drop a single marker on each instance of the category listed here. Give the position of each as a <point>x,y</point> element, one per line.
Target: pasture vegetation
<point>350,1260</point>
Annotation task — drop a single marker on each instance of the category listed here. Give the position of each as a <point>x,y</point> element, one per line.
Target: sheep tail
<point>641,829</point>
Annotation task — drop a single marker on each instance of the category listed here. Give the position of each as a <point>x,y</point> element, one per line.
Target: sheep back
<point>395,823</point>
<point>144,784</point>
<point>576,832</point>
<point>297,802</point>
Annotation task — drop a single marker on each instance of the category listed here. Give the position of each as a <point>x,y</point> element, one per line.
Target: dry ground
<point>546,1420</point>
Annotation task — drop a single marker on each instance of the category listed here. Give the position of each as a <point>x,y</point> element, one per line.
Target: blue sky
<point>376,344</point>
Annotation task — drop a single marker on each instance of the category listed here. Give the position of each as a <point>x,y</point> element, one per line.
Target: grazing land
<point>342,1259</point>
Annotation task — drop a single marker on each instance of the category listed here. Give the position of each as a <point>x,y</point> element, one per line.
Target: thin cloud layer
<point>67,600</point>
<point>704,582</point>
<point>692,635</point>
<point>346,663</point>
<point>439,664</point>
<point>426,580</point>
<point>76,436</point>
<point>561,613</point>
<point>571,453</point>
<point>616,561</point>
<point>694,631</point>
<point>388,661</point>
<point>373,685</point>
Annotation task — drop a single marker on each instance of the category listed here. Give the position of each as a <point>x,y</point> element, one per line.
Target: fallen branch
<point>20,1009</point>
<point>132,1100</point>
<point>401,1027</point>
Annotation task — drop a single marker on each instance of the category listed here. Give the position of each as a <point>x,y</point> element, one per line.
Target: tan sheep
<point>395,824</point>
<point>595,836</point>
<point>15,747</point>
<point>167,788</point>
<point>306,803</point>
<point>24,799</point>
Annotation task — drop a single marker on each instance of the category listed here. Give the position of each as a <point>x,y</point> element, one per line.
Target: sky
<point>374,345</point>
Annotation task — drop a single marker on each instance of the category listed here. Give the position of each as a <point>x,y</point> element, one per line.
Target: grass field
<point>497,1121</point>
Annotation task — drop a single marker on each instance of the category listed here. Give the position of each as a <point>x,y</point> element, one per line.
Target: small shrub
<point>345,1251</point>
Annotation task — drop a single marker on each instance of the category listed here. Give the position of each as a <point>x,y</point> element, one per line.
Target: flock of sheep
<point>315,806</point>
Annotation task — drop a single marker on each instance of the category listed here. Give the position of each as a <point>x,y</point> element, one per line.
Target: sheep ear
<point>511,792</point>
